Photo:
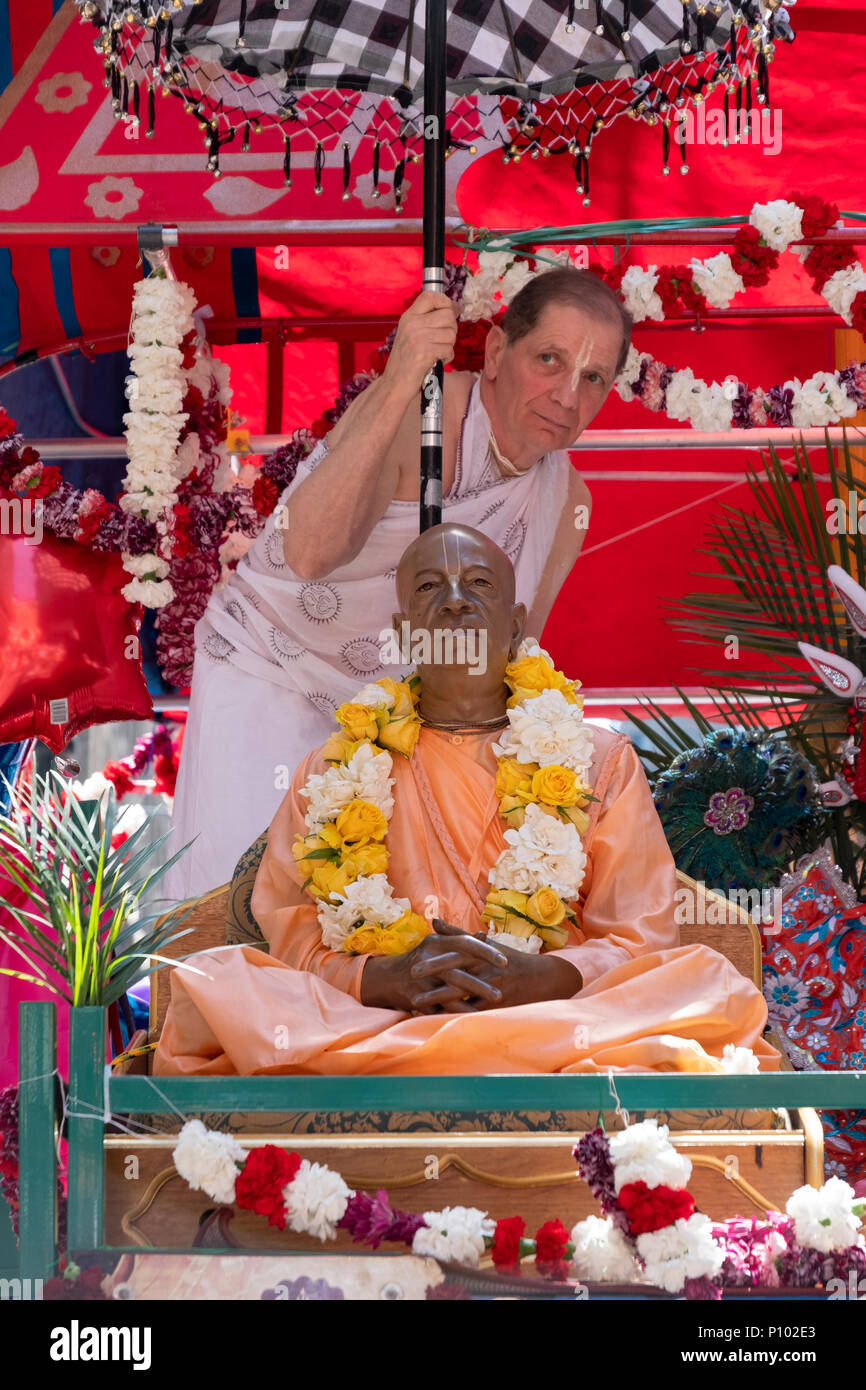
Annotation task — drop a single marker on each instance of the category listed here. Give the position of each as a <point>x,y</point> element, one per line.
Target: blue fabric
<point>12,756</point>
<point>10,319</point>
<point>245,288</point>
<point>61,274</point>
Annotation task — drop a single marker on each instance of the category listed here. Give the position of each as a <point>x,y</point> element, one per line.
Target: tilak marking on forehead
<point>581,361</point>
<point>452,574</point>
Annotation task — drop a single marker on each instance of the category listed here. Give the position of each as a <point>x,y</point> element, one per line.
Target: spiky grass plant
<point>82,921</point>
<point>774,560</point>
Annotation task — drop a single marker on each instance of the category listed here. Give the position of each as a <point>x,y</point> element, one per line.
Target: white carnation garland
<point>822,399</point>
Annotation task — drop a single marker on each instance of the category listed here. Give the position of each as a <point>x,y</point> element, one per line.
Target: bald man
<point>620,994</point>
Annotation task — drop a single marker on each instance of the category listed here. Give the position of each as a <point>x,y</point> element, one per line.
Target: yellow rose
<point>513,777</point>
<point>359,721</point>
<point>312,851</point>
<point>340,748</point>
<point>512,809</point>
<point>401,735</point>
<point>368,859</point>
<point>553,937</point>
<point>555,785</point>
<point>502,907</point>
<point>361,821</point>
<point>532,675</point>
<point>401,696</point>
<point>331,878</point>
<point>578,818</point>
<point>401,936</point>
<point>546,908</point>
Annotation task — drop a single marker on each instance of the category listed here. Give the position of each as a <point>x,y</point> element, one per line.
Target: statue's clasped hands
<point>455,972</point>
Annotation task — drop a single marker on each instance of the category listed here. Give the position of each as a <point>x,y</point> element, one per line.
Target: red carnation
<point>7,424</point>
<point>824,260</point>
<point>615,274</point>
<point>87,1284</point>
<point>46,482</point>
<point>506,1242</point>
<point>165,774</point>
<point>266,494</point>
<point>818,216</point>
<point>858,312</point>
<point>120,777</point>
<point>182,544</point>
<point>751,259</point>
<point>260,1183</point>
<point>187,347</point>
<point>649,1209</point>
<point>551,1240</point>
<point>469,347</point>
<point>89,525</point>
<point>321,427</point>
<point>193,401</point>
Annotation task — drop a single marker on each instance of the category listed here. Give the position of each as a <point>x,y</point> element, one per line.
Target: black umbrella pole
<point>434,253</point>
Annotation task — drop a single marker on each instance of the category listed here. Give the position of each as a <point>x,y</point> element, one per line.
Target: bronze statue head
<point>455,588</point>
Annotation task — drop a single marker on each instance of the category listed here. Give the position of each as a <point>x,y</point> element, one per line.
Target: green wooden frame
<point>91,1090</point>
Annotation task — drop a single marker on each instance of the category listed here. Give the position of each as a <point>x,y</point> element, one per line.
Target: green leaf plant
<point>81,933</point>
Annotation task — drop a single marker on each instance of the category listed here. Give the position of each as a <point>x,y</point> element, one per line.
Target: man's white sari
<point>276,654</point>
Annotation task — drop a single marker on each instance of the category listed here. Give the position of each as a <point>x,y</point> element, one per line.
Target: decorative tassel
<point>318,166</point>
<point>157,43</point>
<point>763,79</point>
<point>685,41</point>
<point>727,110</point>
<point>124,100</point>
<point>169,40</point>
<point>666,147</point>
<point>398,185</point>
<point>347,171</point>
<point>749,105</point>
<point>242,24</point>
<point>287,162</point>
<point>737,108</point>
<point>115,91</point>
<point>681,141</point>
<point>626,20</point>
<point>375,168</point>
<point>699,33</point>
<point>151,111</point>
<point>213,157</point>
<point>136,102</point>
<point>246,140</point>
<point>569,20</point>
<point>599,18</point>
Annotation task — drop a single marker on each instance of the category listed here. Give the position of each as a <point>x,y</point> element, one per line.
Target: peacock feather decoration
<point>738,808</point>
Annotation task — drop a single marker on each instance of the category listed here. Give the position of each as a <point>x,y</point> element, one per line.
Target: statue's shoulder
<point>607,747</point>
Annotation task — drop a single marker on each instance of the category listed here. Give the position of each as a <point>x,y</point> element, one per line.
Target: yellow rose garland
<point>345,859</point>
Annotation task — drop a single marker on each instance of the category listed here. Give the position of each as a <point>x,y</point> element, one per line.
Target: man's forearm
<point>334,510</point>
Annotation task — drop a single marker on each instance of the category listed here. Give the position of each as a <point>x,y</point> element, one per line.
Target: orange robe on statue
<point>648,1004</point>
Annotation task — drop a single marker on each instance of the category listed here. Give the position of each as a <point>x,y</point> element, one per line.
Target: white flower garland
<point>161,318</point>
<point>707,406</point>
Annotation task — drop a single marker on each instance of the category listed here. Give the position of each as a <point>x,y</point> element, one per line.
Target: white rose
<point>823,1217</point>
<point>601,1253</point>
<point>478,301</point>
<point>779,223</point>
<point>680,395</point>
<point>710,408</point>
<point>643,1153</point>
<point>684,1250</point>
<point>316,1199</point>
<point>519,275</point>
<point>716,279</point>
<point>638,292</point>
<point>207,1160</point>
<point>516,873</point>
<point>373,696</point>
<point>455,1233</point>
<point>530,945</point>
<point>739,1061</point>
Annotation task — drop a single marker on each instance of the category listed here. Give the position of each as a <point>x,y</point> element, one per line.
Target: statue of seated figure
<point>458,882</point>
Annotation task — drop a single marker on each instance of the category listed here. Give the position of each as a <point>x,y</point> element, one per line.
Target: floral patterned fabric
<point>815,987</point>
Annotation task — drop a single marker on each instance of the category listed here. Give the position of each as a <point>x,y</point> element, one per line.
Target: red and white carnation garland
<point>652,292</point>
<point>650,1231</point>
